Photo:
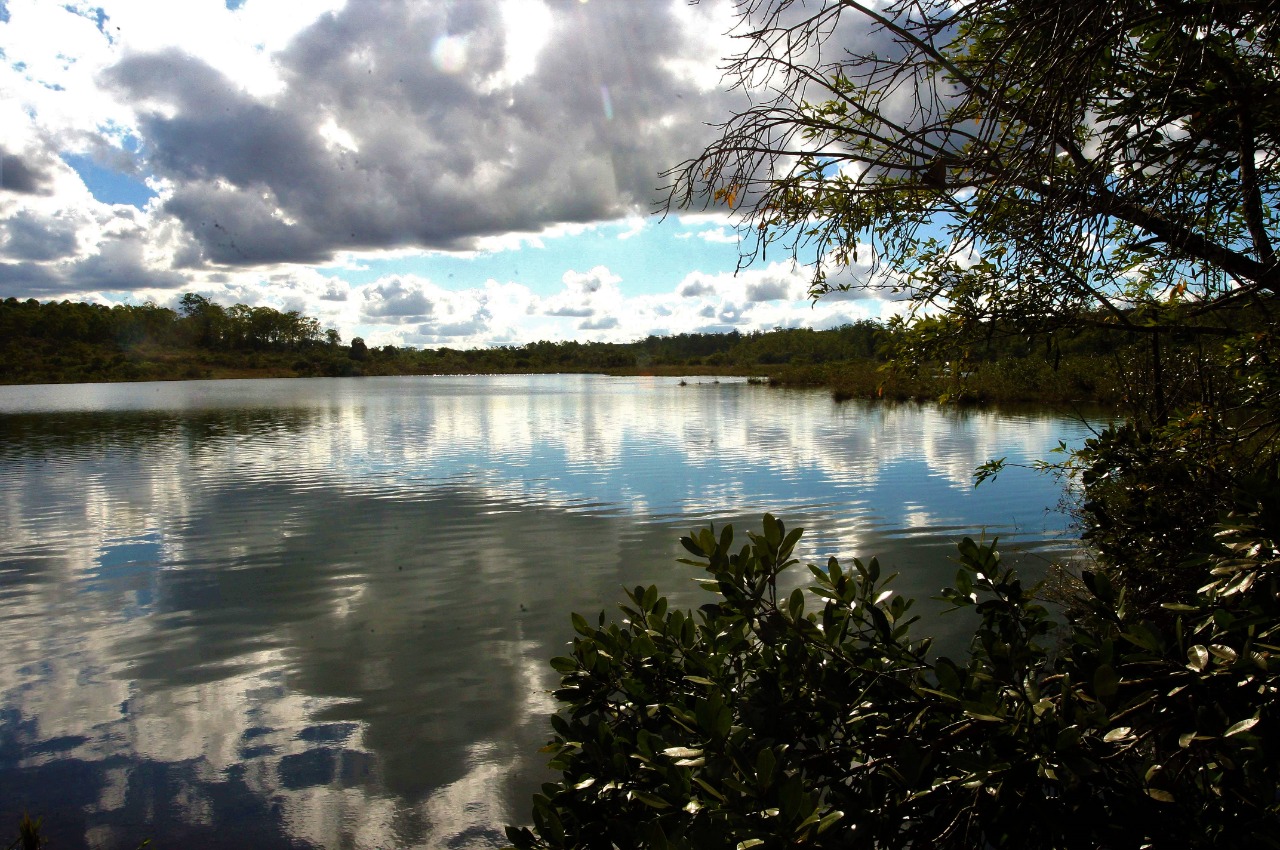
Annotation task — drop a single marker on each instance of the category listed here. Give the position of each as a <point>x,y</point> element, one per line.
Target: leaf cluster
<point>1030,161</point>
<point>814,719</point>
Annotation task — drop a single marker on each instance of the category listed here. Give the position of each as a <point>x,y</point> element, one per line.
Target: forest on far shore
<point>73,342</point>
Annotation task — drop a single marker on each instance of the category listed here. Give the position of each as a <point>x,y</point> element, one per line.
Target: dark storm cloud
<point>442,155</point>
<point>28,236</point>
<point>23,176</point>
<point>28,280</point>
<point>117,265</point>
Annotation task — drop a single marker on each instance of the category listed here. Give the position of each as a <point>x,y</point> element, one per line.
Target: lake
<point>318,613</point>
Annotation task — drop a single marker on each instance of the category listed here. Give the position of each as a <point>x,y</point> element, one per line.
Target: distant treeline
<point>60,342</point>
<point>66,341</point>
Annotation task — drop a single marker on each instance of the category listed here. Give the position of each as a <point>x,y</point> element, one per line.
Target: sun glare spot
<point>449,53</point>
<point>337,137</point>
<point>527,25</point>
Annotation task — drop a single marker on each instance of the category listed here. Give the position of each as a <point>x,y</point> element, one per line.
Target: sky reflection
<point>322,614</point>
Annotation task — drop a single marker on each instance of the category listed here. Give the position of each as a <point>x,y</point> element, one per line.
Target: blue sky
<point>465,173</point>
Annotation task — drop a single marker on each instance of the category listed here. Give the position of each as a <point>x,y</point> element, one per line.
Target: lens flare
<point>607,102</point>
<point>449,53</point>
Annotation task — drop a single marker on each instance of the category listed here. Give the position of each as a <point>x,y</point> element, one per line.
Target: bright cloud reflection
<point>320,611</point>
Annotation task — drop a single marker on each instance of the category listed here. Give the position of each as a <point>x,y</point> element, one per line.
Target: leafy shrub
<point>815,719</point>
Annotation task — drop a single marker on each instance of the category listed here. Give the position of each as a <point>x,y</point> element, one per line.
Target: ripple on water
<point>317,610</point>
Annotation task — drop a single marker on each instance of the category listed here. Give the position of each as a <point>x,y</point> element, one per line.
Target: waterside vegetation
<point>70,342</point>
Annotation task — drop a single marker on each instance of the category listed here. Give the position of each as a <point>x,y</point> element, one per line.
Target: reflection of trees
<point>62,435</point>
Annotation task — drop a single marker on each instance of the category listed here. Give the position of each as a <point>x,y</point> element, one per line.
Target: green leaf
<point>692,546</point>
<point>765,763</point>
<point>651,800</point>
<point>1242,726</point>
<point>1105,681</point>
<point>650,597</point>
<point>773,530</point>
<point>563,665</point>
<point>795,605</point>
<point>943,694</point>
<point>948,675</point>
<point>709,788</point>
<point>1223,653</point>
<point>829,820</point>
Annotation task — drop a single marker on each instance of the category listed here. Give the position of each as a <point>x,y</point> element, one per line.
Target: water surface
<point>317,613</point>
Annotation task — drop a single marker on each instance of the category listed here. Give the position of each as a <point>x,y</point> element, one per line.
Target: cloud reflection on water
<point>321,611</point>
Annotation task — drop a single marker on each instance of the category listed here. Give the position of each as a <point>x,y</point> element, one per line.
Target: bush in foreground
<point>815,720</point>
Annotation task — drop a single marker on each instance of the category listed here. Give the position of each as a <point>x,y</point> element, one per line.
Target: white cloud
<point>585,294</point>
<point>635,225</point>
<point>720,235</point>
<point>282,139</point>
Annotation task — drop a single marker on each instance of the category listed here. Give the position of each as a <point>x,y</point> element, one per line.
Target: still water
<point>317,613</point>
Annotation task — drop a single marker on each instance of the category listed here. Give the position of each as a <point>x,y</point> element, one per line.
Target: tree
<point>1038,161</point>
<point>205,322</point>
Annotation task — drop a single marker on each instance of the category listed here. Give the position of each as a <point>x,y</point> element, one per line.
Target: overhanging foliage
<point>813,719</point>
<point>1029,160</point>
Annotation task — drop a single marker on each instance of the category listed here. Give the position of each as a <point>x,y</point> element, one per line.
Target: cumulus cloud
<point>472,325</point>
<point>23,176</point>
<point>117,262</point>
<point>719,235</point>
<point>291,148</point>
<point>30,236</point>
<point>372,144</point>
<point>584,293</point>
<point>769,289</point>
<point>601,324</point>
<point>694,286</point>
<point>397,300</point>
<point>570,312</point>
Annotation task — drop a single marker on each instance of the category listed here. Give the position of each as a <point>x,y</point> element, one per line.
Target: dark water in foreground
<point>317,613</point>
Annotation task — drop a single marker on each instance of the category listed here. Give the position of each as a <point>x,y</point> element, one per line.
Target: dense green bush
<point>815,720</point>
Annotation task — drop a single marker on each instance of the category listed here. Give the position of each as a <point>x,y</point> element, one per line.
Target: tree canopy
<point>1039,161</point>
